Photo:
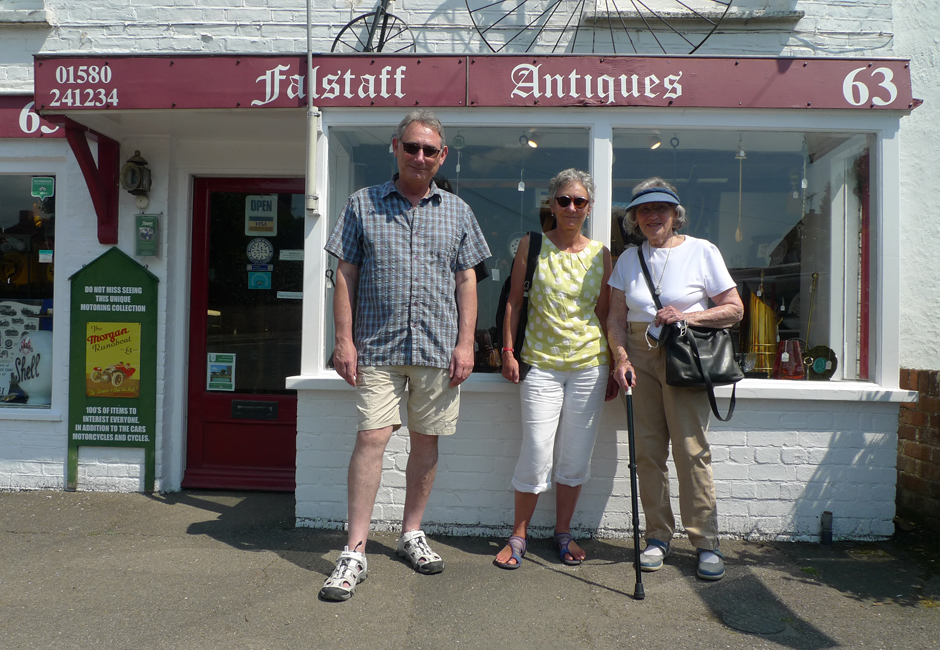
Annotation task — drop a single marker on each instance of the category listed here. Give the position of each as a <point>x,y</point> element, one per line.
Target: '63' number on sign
<point>30,123</point>
<point>856,92</point>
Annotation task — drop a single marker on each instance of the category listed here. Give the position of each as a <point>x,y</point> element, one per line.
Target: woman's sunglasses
<point>412,149</point>
<point>565,201</point>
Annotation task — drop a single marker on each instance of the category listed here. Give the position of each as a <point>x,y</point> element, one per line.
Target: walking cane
<point>638,592</point>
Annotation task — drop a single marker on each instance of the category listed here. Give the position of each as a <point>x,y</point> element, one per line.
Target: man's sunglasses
<point>412,149</point>
<point>565,201</point>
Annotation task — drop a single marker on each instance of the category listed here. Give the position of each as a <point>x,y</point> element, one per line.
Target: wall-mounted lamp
<point>655,142</point>
<point>135,178</point>
<point>524,140</point>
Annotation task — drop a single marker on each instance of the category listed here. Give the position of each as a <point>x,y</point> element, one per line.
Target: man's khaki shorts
<point>432,404</point>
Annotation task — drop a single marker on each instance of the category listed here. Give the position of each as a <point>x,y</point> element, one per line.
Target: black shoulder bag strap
<point>532,259</point>
<point>692,346</point>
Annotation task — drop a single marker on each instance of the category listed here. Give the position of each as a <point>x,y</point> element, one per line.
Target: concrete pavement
<point>228,570</point>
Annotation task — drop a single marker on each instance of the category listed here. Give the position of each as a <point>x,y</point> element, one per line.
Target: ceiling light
<point>524,140</point>
<point>655,142</point>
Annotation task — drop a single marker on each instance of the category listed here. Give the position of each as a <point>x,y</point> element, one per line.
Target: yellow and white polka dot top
<point>563,332</point>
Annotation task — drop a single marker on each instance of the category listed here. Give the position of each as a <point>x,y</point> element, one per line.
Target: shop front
<point>790,166</point>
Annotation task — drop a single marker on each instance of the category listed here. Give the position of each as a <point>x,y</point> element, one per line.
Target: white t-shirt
<point>694,272</point>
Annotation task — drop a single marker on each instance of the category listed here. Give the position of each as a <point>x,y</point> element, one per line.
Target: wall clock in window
<point>260,250</point>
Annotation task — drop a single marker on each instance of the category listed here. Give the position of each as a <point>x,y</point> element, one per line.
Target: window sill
<point>28,17</point>
<point>30,413</point>
<point>769,389</point>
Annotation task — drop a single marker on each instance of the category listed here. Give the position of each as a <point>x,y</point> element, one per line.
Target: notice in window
<point>221,372</point>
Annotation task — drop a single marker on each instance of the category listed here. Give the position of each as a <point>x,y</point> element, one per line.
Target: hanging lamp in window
<point>740,154</point>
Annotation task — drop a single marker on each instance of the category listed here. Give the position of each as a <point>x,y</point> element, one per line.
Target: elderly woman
<point>686,273</point>
<point>567,349</point>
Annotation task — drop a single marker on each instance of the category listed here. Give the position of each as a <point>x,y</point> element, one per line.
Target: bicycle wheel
<point>596,26</point>
<point>375,32</point>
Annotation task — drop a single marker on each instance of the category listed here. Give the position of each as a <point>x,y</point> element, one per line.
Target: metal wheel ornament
<point>596,26</point>
<point>378,31</point>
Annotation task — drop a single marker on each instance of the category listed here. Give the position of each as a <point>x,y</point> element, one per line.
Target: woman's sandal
<point>519,547</point>
<point>562,540</point>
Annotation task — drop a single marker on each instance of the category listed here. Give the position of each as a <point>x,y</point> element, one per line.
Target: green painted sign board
<point>43,187</point>
<point>113,360</point>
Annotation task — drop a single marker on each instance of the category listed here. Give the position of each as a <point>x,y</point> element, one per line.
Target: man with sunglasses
<point>405,311</point>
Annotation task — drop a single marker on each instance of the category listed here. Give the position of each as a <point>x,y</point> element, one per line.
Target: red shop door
<point>245,329</point>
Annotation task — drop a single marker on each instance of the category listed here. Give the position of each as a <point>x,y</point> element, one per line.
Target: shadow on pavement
<point>903,571</point>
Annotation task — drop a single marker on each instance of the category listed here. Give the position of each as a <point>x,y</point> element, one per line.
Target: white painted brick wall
<point>103,469</point>
<point>772,481</point>
<point>246,26</point>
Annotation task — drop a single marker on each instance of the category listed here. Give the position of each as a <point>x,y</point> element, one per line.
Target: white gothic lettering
<point>340,83</point>
<point>528,83</point>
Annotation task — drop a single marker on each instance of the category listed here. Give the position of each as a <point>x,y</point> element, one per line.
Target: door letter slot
<point>253,410</point>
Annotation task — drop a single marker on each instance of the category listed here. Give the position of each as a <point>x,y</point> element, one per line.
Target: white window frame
<point>883,126</point>
<point>34,157</point>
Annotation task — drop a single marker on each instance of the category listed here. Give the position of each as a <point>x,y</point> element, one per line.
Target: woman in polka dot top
<point>566,345</point>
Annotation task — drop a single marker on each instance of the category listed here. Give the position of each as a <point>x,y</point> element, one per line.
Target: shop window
<point>501,172</point>
<point>27,242</point>
<point>790,214</point>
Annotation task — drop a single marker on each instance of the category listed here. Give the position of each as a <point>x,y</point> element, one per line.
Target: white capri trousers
<point>566,402</point>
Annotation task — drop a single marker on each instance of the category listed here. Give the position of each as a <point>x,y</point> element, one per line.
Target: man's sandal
<point>413,546</point>
<point>562,540</point>
<point>351,569</point>
<point>519,547</point>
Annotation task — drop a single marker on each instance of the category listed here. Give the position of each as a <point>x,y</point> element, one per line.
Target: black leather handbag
<point>535,247</point>
<point>697,357</point>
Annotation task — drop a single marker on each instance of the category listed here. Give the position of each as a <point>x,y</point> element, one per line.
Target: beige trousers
<point>664,414</point>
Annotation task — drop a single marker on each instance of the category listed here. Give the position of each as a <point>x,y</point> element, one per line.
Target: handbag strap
<point>535,247</point>
<point>649,279</point>
<point>692,346</point>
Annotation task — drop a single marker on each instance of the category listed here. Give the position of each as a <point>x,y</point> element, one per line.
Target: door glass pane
<point>501,172</point>
<point>254,286</point>
<point>789,212</point>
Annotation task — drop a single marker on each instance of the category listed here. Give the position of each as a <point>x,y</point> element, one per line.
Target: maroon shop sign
<point>66,84</point>
<point>85,83</point>
<point>688,82</point>
<point>18,119</point>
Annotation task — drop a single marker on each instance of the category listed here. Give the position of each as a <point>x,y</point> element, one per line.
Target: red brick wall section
<point>918,493</point>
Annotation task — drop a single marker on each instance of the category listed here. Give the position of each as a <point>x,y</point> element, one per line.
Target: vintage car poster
<point>112,359</point>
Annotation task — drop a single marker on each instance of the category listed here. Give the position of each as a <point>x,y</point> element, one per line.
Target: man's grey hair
<point>421,116</point>
<point>571,175</point>
<point>629,222</point>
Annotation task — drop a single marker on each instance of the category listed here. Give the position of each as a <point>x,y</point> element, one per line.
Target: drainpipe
<point>311,198</point>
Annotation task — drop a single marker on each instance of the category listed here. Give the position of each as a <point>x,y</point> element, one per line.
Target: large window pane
<point>27,243</point>
<point>496,170</point>
<point>789,212</point>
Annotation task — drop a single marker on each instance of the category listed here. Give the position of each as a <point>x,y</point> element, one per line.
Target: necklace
<point>659,285</point>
